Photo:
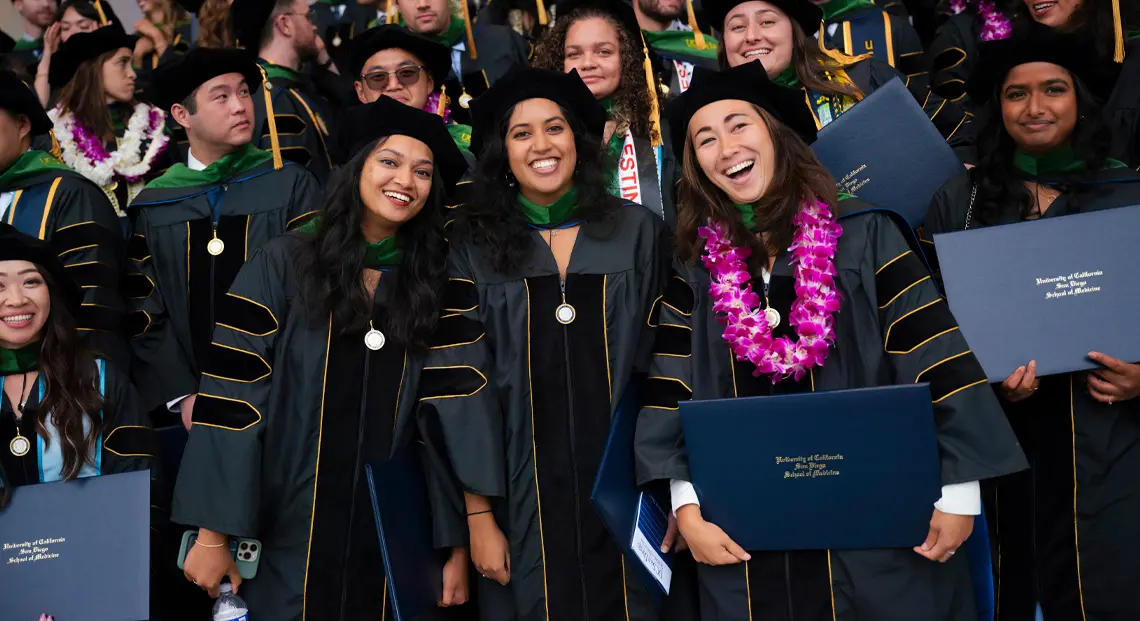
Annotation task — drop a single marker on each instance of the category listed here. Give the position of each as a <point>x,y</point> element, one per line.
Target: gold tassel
<point>274,143</point>
<point>56,150</point>
<point>390,16</point>
<point>442,106</point>
<point>697,36</point>
<point>542,19</point>
<point>843,59</point>
<point>470,35</point>
<point>654,105</point>
<point>1118,32</point>
<point>102,16</point>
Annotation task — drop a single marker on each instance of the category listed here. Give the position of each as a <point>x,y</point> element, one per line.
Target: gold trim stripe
<point>255,411</point>
<point>111,450</point>
<point>250,353</point>
<point>48,205</point>
<point>316,477</point>
<point>1076,526</point>
<point>908,288</point>
<point>534,454</point>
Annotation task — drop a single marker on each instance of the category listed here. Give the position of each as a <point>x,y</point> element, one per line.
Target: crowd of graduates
<point>254,245</point>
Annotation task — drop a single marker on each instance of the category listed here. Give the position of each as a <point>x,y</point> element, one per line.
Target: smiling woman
<point>546,268</point>
<point>1046,156</point>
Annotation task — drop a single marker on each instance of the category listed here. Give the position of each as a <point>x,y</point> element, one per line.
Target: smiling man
<point>198,222</point>
<point>38,15</point>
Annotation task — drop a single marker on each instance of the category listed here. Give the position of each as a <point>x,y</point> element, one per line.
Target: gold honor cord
<point>1118,28</point>
<point>470,35</point>
<point>697,36</point>
<point>390,13</point>
<point>844,60</point>
<point>274,142</point>
<point>102,16</point>
<point>654,105</point>
<point>441,107</point>
<point>542,18</point>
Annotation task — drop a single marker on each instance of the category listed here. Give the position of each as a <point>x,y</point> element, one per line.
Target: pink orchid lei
<point>995,24</point>
<point>812,315</point>
<point>432,106</point>
<point>957,6</point>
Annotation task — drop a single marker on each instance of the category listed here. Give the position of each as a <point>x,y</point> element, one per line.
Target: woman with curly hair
<point>602,41</point>
<point>1063,526</point>
<point>545,318</point>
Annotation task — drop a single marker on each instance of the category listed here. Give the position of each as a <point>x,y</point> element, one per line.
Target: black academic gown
<point>951,120</point>
<point>1063,531</point>
<point>176,289</point>
<point>288,416</point>
<point>71,213</point>
<point>954,52</point>
<point>1123,110</point>
<point>887,37</point>
<point>644,176</point>
<point>525,403</point>
<point>499,49</point>
<point>338,30</point>
<point>880,340</point>
<point>302,122</point>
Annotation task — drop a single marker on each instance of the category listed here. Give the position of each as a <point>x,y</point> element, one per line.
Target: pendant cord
<point>24,396</point>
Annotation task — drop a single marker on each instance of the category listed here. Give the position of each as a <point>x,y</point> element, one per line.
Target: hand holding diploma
<point>709,544</point>
<point>947,533</point>
<point>1117,381</point>
<point>1021,384</point>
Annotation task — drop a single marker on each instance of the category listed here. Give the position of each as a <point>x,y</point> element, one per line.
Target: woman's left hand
<point>455,579</point>
<point>1117,381</point>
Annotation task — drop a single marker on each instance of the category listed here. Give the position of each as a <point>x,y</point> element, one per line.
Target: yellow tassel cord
<point>390,16</point>
<point>697,36</point>
<point>542,18</point>
<point>56,150</point>
<point>654,105</point>
<point>442,106</point>
<point>839,57</point>
<point>1118,31</point>
<point>102,16</point>
<point>274,143</point>
<point>470,35</point>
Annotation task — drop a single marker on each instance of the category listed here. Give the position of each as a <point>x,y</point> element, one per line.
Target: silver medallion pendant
<point>374,339</point>
<point>336,41</point>
<point>565,314</point>
<point>465,100</point>
<point>215,247</point>
<point>772,316</point>
<point>19,446</point>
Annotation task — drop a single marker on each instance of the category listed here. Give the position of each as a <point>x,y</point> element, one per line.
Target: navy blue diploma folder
<point>886,151</point>
<point>1050,290</point>
<point>78,550</point>
<point>403,521</point>
<point>842,469</point>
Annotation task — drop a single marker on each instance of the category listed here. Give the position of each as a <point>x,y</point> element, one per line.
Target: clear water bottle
<point>230,607</point>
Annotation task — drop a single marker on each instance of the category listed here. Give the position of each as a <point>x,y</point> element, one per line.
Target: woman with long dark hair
<point>603,42</point>
<point>64,412</point>
<point>72,17</point>
<point>1064,525</point>
<point>551,279</point>
<point>103,132</point>
<point>778,34</point>
<point>754,204</point>
<point>317,354</point>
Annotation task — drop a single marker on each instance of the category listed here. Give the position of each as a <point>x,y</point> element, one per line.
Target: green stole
<point>227,167</point>
<point>788,78</point>
<point>274,72</point>
<point>461,135</point>
<point>674,43</point>
<point>614,146</point>
<point>748,211</point>
<point>838,8</point>
<point>455,31</point>
<point>28,164</point>
<point>552,215</point>
<point>22,360</point>
<point>26,45</point>
<point>377,255</point>
<point>1058,162</point>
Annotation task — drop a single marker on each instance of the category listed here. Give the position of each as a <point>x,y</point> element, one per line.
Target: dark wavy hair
<point>71,389</point>
<point>492,219</point>
<point>85,97</point>
<point>813,67</point>
<point>330,264</point>
<point>797,176</point>
<point>631,100</point>
<point>1001,191</point>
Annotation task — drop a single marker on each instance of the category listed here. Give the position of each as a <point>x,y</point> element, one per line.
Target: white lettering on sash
<point>629,177</point>
<point>684,74</point>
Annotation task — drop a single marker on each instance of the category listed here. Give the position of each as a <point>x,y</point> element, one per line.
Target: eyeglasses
<point>406,76</point>
<point>310,15</point>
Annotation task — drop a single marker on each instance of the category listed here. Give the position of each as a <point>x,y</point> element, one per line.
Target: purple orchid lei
<point>432,106</point>
<point>995,24</point>
<point>812,315</point>
<point>92,148</point>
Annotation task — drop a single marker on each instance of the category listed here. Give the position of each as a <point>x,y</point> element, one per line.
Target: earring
<point>510,179</point>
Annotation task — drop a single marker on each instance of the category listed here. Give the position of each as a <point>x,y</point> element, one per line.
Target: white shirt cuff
<point>682,493</point>
<point>176,404</point>
<point>961,499</point>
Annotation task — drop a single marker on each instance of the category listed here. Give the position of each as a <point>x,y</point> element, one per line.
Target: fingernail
<point>664,548</point>
<point>747,556</point>
<point>1033,364</point>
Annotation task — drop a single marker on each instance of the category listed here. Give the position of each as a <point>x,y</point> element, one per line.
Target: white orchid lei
<point>84,152</point>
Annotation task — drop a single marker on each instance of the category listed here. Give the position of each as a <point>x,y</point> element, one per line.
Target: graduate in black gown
<point>1065,528</point>
<point>602,41</point>
<point>291,117</point>
<point>831,82</point>
<point>317,357</point>
<point>857,27</point>
<point>551,279</point>
<point>954,52</point>
<point>1123,107</point>
<point>671,34</point>
<point>42,197</point>
<point>753,174</point>
<point>198,223</point>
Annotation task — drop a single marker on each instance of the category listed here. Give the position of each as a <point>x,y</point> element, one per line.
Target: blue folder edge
<point>615,494</point>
